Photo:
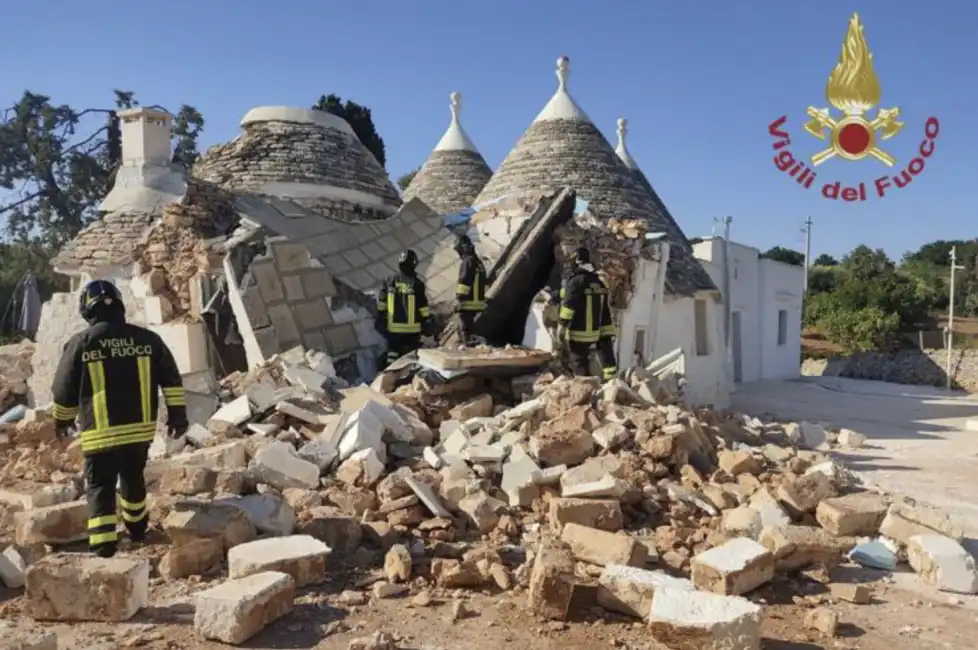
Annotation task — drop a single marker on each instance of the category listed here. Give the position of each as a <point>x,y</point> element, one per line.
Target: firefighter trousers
<point>580,357</point>
<point>398,345</point>
<point>122,466</point>
<point>466,322</point>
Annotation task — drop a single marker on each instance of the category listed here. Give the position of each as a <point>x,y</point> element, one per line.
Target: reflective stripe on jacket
<point>403,304</point>
<point>584,307</point>
<point>471,290</point>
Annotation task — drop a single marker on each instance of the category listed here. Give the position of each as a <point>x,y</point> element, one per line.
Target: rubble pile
<point>15,370</point>
<point>546,486</point>
<point>185,243</point>
<point>615,244</point>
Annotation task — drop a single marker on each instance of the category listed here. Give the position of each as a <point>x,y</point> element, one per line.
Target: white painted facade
<point>766,309</point>
<point>655,324</point>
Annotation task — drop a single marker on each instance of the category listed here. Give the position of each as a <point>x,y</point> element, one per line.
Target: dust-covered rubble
<point>551,487</point>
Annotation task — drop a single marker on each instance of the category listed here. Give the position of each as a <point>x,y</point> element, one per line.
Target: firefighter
<point>470,294</point>
<point>108,380</point>
<point>585,317</point>
<point>403,314</point>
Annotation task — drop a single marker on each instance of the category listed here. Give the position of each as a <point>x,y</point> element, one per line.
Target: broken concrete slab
<point>427,496</point>
<point>83,587</point>
<point>301,556</point>
<point>679,617</point>
<point>629,590</point>
<point>855,514</point>
<point>459,359</point>
<point>278,464</point>
<point>236,412</point>
<point>607,487</point>
<point>601,547</point>
<point>734,568</point>
<point>941,561</point>
<point>593,513</point>
<point>236,610</point>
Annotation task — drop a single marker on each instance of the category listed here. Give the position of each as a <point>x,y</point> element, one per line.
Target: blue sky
<point>699,82</point>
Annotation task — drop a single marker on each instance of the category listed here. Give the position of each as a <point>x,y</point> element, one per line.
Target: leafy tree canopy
<point>825,260</point>
<point>358,117</point>
<point>786,255</point>
<point>406,179</point>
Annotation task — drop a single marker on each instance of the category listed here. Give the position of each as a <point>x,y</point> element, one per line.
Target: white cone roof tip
<point>455,138</point>
<point>562,106</point>
<point>622,148</point>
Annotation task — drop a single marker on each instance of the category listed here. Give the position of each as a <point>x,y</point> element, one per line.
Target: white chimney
<point>146,180</point>
<point>145,137</point>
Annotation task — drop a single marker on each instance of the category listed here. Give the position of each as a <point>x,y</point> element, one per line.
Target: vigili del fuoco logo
<point>854,90</point>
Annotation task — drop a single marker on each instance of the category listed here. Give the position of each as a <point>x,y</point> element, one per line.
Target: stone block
<point>743,522</point>
<point>313,315</point>
<point>735,567</point>
<point>803,495</point>
<point>293,288</point>
<point>39,496</point>
<point>363,468</point>
<point>269,513</point>
<point>943,562</point>
<point>188,343</point>
<point>321,453</point>
<point>236,610</point>
<point>601,547</point>
<point>63,523</point>
<point>853,514</point>
<point>551,581</point>
<point>517,481</point>
<point>629,590</point>
<point>83,587</point>
<point>482,510</point>
<point>593,513</point>
<point>797,547</point>
<point>769,509</point>
<point>317,283</point>
<point>301,556</point>
<point>278,465</point>
<point>12,568</point>
<point>340,533</point>
<point>738,462</point>
<point>290,256</point>
<point>606,487</point>
<point>426,494</point>
<point>284,323</point>
<point>680,618</point>
<point>267,278</point>
<point>905,519</point>
<point>190,520</point>
<point>236,412</point>
<point>341,339</point>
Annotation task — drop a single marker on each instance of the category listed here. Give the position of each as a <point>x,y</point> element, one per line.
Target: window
<point>702,338</point>
<point>639,349</point>
<point>782,327</point>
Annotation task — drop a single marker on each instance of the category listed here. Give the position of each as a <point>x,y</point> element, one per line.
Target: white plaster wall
<point>642,312</point>
<point>781,287</point>
<point>707,382</point>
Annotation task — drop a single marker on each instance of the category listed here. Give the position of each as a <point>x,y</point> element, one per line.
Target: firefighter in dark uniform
<point>403,314</point>
<point>585,317</point>
<point>109,379</point>
<point>470,294</point>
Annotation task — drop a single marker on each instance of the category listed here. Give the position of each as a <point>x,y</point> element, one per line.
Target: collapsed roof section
<point>454,173</point>
<point>307,156</point>
<point>562,147</point>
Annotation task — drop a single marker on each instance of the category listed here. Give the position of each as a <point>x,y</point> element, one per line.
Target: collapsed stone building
<point>279,237</point>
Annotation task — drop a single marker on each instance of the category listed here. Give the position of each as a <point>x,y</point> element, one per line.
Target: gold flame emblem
<point>854,89</point>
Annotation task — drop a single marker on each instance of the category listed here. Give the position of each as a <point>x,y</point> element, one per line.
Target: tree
<point>938,253</point>
<point>406,179</point>
<point>58,165</point>
<point>786,255</point>
<point>187,127</point>
<point>360,119</point>
<point>825,260</point>
<point>864,263</point>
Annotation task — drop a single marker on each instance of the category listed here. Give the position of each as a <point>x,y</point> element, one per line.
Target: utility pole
<point>950,317</point>
<point>808,251</point>
<point>726,221</point>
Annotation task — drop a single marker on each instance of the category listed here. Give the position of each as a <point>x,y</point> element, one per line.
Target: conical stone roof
<point>692,267</point>
<point>562,147</point>
<point>454,173</point>
<point>310,157</point>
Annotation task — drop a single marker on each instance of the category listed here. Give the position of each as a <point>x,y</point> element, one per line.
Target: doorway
<point>738,370</point>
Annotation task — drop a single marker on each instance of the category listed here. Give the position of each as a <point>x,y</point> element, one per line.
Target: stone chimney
<point>146,180</point>
<point>145,137</point>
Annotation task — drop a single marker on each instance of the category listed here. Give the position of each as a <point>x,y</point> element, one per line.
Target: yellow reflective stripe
<point>609,330</point>
<point>583,337</point>
<point>174,396</point>
<point>135,427</point>
<point>412,309</point>
<point>608,373</point>
<point>100,409</point>
<point>400,328</point>
<point>566,313</point>
<point>563,292</point>
<point>98,522</point>
<point>59,412</point>
<point>462,289</point>
<point>425,312</point>
<point>145,385</point>
<point>133,518</point>
<point>472,305</point>
<point>119,441</point>
<point>390,311</point>
<point>173,390</point>
<point>129,505</point>
<point>588,313</point>
<point>101,538</point>
<point>475,285</point>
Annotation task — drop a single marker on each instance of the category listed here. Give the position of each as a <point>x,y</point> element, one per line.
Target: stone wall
<point>920,367</point>
<point>289,299</point>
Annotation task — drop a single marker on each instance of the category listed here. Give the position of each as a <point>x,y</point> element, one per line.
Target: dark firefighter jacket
<point>471,290</point>
<point>402,305</point>
<point>584,307</point>
<point>109,378</point>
